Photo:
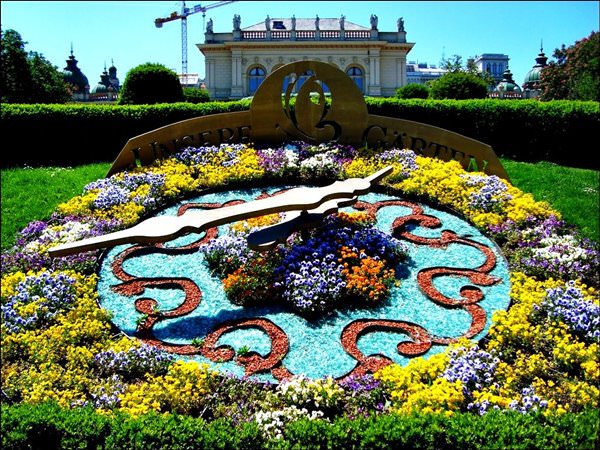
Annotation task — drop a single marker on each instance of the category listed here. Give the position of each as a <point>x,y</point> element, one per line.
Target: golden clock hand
<point>161,228</point>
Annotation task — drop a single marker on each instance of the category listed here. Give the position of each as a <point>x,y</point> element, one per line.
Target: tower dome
<point>74,77</point>
<point>508,84</point>
<point>103,85</point>
<point>532,79</point>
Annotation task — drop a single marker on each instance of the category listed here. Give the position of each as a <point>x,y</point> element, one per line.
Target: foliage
<point>150,83</point>
<point>540,356</point>
<point>195,95</point>
<point>455,64</point>
<point>560,126</point>
<point>28,78</point>
<point>413,90</point>
<point>459,86</point>
<point>574,74</point>
<point>50,427</point>
<point>506,126</point>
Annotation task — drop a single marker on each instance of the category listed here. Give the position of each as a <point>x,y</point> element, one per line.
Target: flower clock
<point>441,291</point>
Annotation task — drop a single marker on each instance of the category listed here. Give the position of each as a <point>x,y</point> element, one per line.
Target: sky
<point>123,32</point>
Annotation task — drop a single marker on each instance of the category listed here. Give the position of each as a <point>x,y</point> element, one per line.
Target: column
<point>236,74</point>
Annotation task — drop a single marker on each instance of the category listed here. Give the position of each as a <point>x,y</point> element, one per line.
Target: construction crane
<point>185,12</point>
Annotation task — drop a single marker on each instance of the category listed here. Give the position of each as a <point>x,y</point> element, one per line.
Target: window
<point>356,74</point>
<point>256,75</point>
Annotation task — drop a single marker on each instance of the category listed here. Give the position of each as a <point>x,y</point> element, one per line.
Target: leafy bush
<point>413,90</point>
<point>524,130</point>
<point>459,86</point>
<point>195,95</point>
<point>150,83</point>
<point>50,427</point>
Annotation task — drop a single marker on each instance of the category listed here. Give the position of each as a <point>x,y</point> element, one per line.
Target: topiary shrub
<point>195,95</point>
<point>150,83</point>
<point>459,86</point>
<point>413,90</point>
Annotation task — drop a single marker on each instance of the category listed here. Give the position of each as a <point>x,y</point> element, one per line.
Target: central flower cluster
<point>345,261</point>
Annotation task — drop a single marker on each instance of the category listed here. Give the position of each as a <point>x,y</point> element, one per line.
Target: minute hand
<point>164,228</point>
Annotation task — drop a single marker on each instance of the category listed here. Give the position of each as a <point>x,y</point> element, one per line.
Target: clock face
<point>447,288</point>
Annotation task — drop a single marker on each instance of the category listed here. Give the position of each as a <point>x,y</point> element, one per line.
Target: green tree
<point>150,83</point>
<point>48,84</point>
<point>413,90</point>
<point>454,64</point>
<point>575,75</point>
<point>16,76</point>
<point>28,77</point>
<point>459,86</point>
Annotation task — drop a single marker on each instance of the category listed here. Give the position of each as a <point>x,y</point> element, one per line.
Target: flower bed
<point>541,353</point>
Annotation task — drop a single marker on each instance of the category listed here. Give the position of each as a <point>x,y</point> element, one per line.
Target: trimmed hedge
<point>47,426</point>
<point>74,134</point>
<point>563,132</point>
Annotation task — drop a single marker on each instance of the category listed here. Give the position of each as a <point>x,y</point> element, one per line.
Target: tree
<point>150,83</point>
<point>16,76</point>
<point>48,84</point>
<point>28,77</point>
<point>454,64</point>
<point>413,90</point>
<point>459,86</point>
<point>575,73</point>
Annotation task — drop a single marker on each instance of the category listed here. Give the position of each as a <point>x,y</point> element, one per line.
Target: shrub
<point>459,86</point>
<point>150,83</point>
<point>195,95</point>
<point>413,90</point>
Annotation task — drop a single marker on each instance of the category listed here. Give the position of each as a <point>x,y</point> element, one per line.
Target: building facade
<point>237,62</point>
<point>493,63</point>
<point>421,73</point>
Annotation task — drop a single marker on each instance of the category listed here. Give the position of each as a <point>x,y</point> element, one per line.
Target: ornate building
<point>77,81</point>
<point>507,88</point>
<point>238,61</point>
<point>531,84</point>
<point>108,87</point>
<point>493,63</point>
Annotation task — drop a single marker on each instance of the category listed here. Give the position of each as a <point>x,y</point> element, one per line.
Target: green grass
<point>573,192</point>
<point>33,194</point>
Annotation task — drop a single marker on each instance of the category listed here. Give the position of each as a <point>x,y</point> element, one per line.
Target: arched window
<point>357,76</point>
<point>494,69</point>
<point>256,75</point>
<point>487,68</point>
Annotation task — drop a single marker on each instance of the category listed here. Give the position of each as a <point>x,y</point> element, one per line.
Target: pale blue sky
<point>124,30</point>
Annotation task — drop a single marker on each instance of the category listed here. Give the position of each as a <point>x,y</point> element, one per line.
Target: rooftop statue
<point>209,26</point>
<point>268,23</point>
<point>237,20</point>
<point>374,21</point>
<point>400,24</point>
<point>342,22</point>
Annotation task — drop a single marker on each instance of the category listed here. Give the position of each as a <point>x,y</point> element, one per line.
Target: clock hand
<point>268,237</point>
<point>161,228</point>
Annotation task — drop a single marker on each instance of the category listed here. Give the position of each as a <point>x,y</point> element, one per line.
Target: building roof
<point>303,24</point>
<point>73,74</point>
<point>533,76</point>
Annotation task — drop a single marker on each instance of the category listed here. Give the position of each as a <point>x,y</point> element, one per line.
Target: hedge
<point>48,426</point>
<point>563,132</point>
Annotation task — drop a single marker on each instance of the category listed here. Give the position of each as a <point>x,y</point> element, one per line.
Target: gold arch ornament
<point>277,114</point>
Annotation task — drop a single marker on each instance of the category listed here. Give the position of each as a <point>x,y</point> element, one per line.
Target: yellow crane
<point>183,15</point>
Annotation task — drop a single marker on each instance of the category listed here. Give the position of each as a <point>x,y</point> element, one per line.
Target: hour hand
<point>268,237</point>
